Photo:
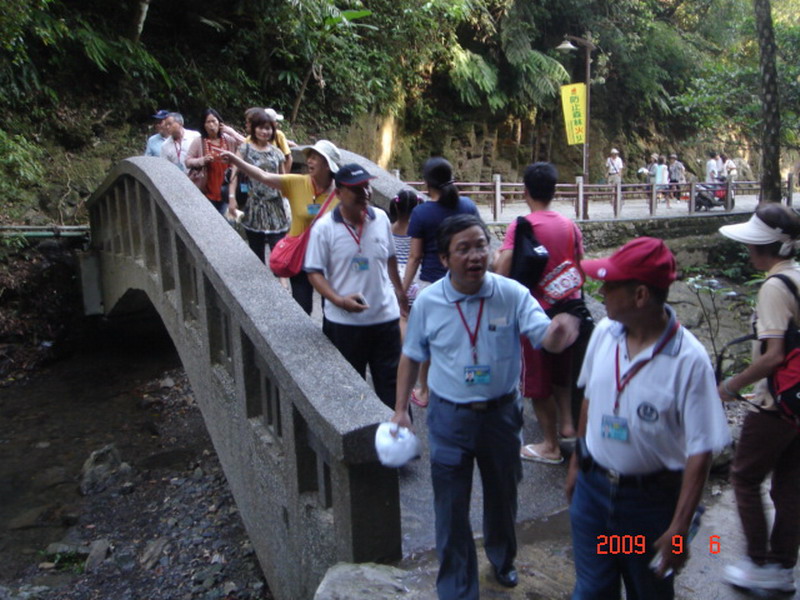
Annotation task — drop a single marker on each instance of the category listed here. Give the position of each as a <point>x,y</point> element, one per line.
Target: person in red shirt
<point>547,379</point>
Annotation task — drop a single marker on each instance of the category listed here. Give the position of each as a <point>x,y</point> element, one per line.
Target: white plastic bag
<point>395,445</point>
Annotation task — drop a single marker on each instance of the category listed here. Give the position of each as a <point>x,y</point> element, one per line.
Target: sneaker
<point>747,574</point>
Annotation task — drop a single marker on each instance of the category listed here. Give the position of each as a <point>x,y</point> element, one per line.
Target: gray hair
<point>177,117</point>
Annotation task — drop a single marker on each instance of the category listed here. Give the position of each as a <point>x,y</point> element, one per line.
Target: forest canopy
<point>683,69</point>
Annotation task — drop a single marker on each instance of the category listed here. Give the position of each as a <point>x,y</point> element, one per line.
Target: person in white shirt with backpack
<point>768,443</point>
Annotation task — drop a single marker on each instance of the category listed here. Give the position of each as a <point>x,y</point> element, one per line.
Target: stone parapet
<point>292,422</point>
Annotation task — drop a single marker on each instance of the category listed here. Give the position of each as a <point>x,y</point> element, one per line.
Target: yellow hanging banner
<point>573,100</point>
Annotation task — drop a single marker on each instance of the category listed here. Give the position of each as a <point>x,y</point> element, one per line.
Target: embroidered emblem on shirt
<point>647,412</point>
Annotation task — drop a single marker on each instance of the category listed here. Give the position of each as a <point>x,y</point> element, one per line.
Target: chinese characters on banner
<point>573,100</point>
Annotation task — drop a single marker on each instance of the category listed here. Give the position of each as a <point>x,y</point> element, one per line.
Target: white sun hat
<point>754,232</point>
<point>395,445</point>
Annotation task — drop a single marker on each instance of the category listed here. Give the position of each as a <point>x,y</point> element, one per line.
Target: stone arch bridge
<point>291,421</point>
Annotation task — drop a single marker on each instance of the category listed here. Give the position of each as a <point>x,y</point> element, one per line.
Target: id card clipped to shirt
<point>615,428</point>
<point>475,374</point>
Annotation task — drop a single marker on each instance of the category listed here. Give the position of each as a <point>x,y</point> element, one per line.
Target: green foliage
<point>20,170</point>
<point>724,96</point>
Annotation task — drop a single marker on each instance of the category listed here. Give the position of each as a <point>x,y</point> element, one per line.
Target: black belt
<point>664,478</point>
<point>481,405</point>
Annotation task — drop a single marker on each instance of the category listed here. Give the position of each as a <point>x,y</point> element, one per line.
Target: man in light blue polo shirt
<point>155,141</point>
<point>468,325</point>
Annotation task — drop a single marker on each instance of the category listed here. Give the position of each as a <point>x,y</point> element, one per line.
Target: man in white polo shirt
<point>351,262</point>
<point>651,419</point>
<point>176,146</point>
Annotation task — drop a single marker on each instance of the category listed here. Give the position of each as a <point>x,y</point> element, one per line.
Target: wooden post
<point>728,194</point>
<point>653,199</point>
<point>583,200</point>
<point>789,186</point>
<point>497,206</point>
<point>692,191</point>
<point>617,199</point>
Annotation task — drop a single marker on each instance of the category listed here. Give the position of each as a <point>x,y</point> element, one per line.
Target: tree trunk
<point>770,135</point>
<point>139,17</point>
<point>299,99</point>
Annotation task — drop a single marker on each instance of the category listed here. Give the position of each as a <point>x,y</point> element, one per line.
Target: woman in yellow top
<point>306,193</point>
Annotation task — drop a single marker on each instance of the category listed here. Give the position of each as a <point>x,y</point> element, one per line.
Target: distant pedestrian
<point>677,175</point>
<point>652,169</point>
<point>712,169</point>
<point>281,141</point>
<point>729,168</point>
<point>614,168</point>
<point>176,148</point>
<point>662,180</point>
<point>154,141</point>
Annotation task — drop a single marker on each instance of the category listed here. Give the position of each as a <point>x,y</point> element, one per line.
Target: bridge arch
<point>293,424</point>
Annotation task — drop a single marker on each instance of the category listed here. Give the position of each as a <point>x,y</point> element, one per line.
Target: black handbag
<point>530,256</point>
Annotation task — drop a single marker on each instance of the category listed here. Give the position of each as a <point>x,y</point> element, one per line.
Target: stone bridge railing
<point>291,421</point>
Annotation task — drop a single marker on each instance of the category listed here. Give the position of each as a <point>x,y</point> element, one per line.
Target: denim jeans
<point>600,508</point>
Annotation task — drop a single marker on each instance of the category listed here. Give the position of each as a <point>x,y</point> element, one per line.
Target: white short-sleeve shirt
<point>334,252</point>
<point>671,406</point>
<point>177,151</point>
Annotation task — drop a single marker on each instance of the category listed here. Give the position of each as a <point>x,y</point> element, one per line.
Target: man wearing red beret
<point>649,424</point>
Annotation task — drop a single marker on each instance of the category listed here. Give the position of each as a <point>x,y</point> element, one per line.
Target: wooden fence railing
<point>500,194</point>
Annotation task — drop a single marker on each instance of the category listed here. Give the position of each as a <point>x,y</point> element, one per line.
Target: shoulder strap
<point>788,282</point>
<point>322,209</point>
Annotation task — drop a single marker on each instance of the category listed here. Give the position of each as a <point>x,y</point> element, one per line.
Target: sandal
<point>417,401</point>
<point>528,452</point>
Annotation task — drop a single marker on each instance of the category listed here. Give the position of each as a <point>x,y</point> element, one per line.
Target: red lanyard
<point>622,384</point>
<point>356,235</point>
<point>473,335</point>
<point>178,148</point>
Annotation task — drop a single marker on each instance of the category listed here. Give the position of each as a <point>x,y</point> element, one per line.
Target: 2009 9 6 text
<point>637,544</point>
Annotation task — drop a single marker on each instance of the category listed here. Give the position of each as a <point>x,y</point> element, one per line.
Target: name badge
<point>244,187</point>
<point>615,428</point>
<point>477,374</point>
<point>360,263</point>
<point>313,209</point>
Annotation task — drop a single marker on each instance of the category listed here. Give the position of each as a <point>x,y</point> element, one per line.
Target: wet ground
<point>170,523</point>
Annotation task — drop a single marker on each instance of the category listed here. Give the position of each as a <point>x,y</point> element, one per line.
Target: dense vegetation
<point>666,72</point>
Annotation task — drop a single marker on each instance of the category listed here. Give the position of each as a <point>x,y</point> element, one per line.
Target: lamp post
<point>567,46</point>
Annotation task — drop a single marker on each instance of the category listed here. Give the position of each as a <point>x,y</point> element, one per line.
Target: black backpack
<point>530,256</point>
<point>784,382</point>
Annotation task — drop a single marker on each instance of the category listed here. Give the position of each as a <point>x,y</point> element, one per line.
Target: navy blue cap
<point>352,174</point>
<point>161,114</point>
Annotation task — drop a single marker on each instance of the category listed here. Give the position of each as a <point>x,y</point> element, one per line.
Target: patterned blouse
<point>264,209</point>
